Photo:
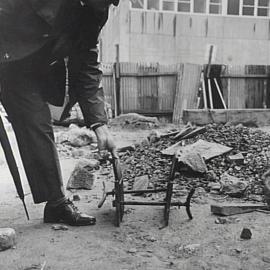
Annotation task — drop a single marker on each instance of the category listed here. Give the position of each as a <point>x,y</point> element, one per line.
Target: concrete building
<point>173,31</point>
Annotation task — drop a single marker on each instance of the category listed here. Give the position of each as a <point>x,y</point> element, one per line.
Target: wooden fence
<point>146,89</point>
<point>167,90</point>
<point>246,87</point>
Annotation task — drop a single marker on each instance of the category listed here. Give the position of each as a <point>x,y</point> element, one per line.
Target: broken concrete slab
<point>7,238</point>
<point>81,179</point>
<point>83,175</point>
<point>232,186</point>
<point>193,160</point>
<point>141,182</point>
<point>207,150</point>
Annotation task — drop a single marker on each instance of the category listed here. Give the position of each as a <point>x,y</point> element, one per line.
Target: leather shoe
<point>67,213</point>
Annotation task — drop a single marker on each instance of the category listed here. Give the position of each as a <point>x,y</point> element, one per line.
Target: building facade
<point>178,31</point>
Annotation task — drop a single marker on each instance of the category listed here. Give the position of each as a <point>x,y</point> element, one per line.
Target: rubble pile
<point>251,144</point>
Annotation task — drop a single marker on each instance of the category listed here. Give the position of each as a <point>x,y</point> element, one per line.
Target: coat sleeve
<point>85,86</point>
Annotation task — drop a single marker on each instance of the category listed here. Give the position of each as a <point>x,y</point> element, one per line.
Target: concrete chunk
<point>246,234</point>
<point>238,158</point>
<point>83,176</point>
<point>141,182</point>
<point>7,238</point>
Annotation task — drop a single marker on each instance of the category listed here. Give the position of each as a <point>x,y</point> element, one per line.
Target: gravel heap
<point>252,143</point>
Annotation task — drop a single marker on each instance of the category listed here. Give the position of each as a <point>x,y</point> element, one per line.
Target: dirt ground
<point>140,242</point>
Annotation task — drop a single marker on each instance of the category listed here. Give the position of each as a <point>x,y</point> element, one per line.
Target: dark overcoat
<point>26,26</point>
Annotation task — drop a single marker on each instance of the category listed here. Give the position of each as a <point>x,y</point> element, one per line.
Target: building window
<point>168,5</point>
<point>263,8</point>
<point>153,4</point>
<point>200,6</point>
<point>183,5</point>
<point>248,7</point>
<point>215,6</point>
<point>233,7</point>
<point>137,3</point>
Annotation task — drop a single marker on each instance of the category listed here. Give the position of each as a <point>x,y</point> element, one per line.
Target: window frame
<point>223,4</point>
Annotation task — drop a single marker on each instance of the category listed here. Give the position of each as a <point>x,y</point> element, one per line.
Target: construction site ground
<point>140,243</point>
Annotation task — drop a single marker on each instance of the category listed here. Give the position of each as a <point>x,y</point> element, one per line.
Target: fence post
<point>117,90</point>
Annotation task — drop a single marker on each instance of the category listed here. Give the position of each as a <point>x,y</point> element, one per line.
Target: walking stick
<point>12,163</point>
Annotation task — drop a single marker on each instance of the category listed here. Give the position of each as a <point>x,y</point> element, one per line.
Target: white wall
<point>147,36</point>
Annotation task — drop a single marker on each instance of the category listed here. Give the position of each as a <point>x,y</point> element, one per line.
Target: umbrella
<point>12,163</point>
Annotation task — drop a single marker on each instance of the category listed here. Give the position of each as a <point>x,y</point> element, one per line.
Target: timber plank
<point>229,210</point>
<point>256,117</point>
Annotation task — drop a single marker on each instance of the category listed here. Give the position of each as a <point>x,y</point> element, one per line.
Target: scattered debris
<point>134,120</point>
<point>238,250</point>
<point>232,186</point>
<point>60,227</point>
<point>194,132</point>
<point>83,175</point>
<point>132,251</point>
<point>186,130</point>
<point>214,187</point>
<point>130,147</point>
<point>169,134</point>
<point>36,266</point>
<point>7,238</point>
<point>154,136</point>
<point>221,221</point>
<point>266,189</point>
<point>246,234</point>
<point>189,249</point>
<point>238,158</point>
<point>266,259</point>
<point>76,136</point>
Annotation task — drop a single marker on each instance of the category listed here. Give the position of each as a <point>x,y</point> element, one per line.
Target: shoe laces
<point>71,204</point>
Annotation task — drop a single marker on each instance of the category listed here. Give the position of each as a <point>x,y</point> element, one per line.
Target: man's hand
<point>105,140</point>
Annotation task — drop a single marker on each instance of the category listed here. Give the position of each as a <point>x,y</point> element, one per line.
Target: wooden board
<point>186,89</point>
<point>229,210</point>
<point>237,93</point>
<point>255,87</point>
<point>259,117</point>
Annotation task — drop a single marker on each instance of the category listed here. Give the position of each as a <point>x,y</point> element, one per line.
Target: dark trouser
<point>24,91</point>
<point>22,97</point>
